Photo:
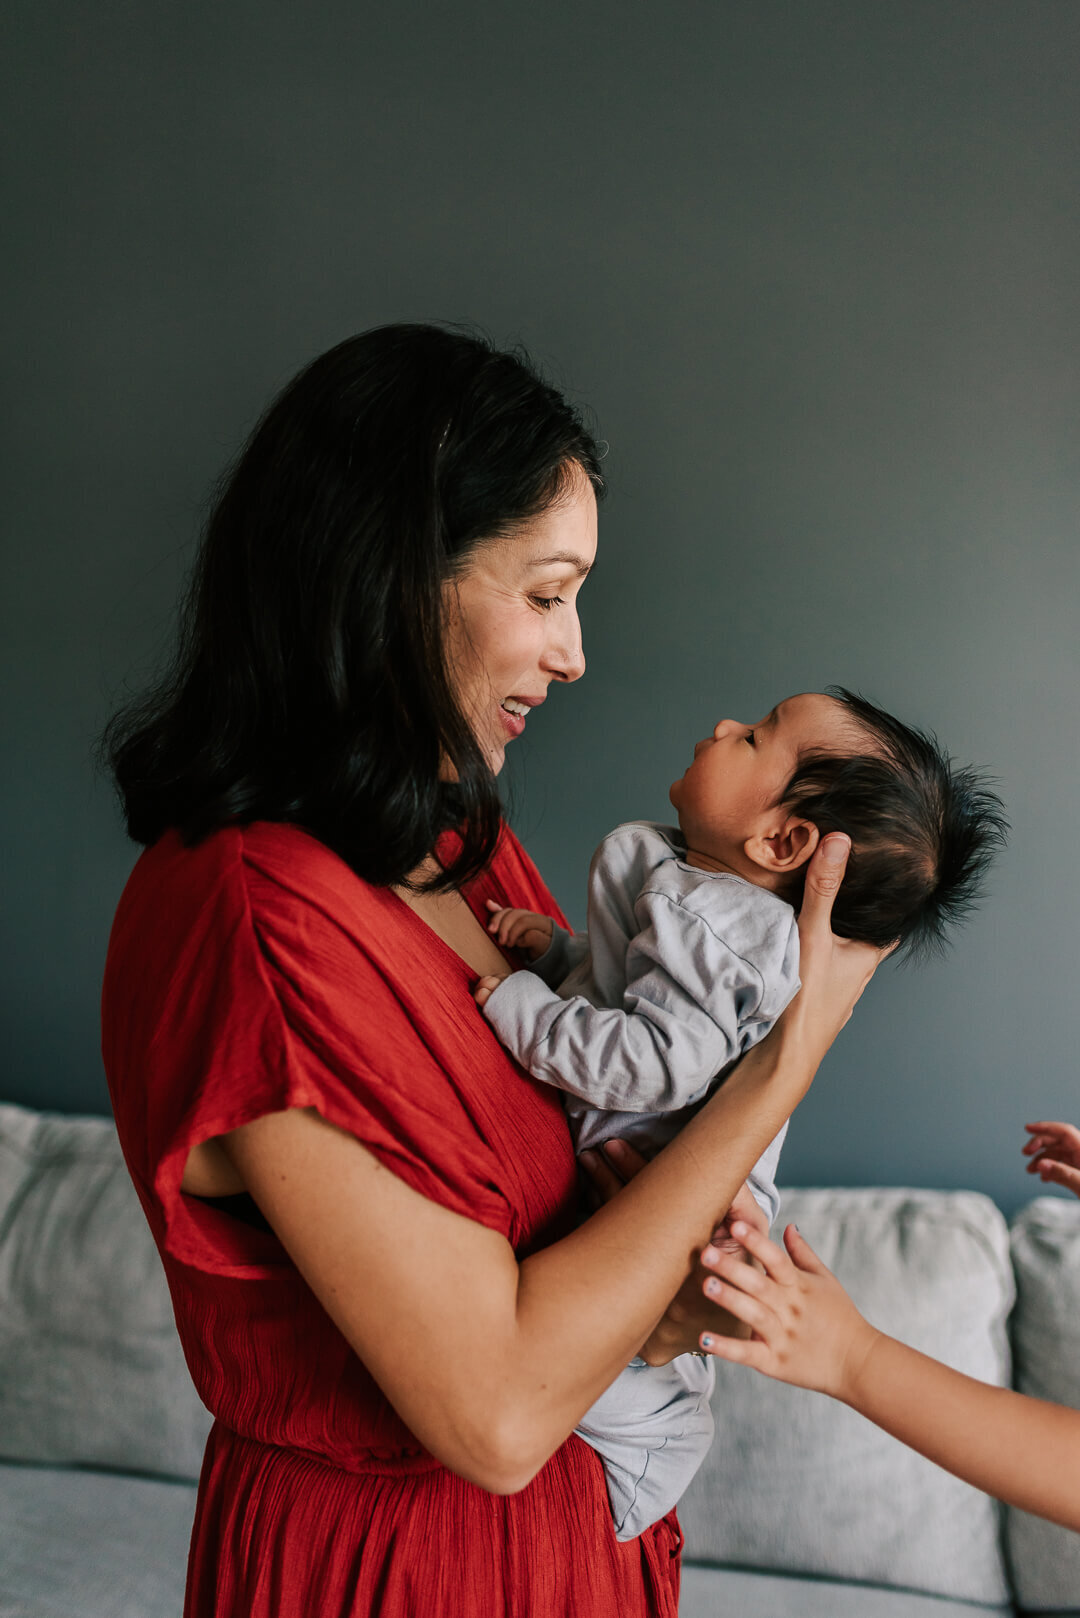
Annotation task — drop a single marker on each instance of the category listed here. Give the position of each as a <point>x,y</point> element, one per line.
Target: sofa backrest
<point>91,1369</point>
<point>796,1483</point>
<point>1045,1325</point>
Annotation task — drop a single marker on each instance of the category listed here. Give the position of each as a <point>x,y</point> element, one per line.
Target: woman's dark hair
<point>310,683</point>
<point>923,831</point>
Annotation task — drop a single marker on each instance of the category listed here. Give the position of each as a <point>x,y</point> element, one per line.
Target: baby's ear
<point>784,846</point>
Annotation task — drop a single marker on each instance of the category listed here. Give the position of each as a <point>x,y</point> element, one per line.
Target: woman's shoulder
<point>262,870</point>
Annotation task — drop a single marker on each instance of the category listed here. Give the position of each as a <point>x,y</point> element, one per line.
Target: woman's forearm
<point>623,1265</point>
<point>1023,1451</point>
<point>492,1362</point>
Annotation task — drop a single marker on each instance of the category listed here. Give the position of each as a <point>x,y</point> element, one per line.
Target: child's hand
<point>484,988</point>
<point>520,929</point>
<point>806,1329</point>
<point>1054,1150</point>
<point>743,1207</point>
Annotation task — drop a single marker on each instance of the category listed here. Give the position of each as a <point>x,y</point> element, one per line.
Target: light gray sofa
<point>802,1511</point>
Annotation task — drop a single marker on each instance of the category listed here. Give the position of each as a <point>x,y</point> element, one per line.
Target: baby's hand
<point>484,988</point>
<point>806,1330</point>
<point>1054,1150</point>
<point>520,929</point>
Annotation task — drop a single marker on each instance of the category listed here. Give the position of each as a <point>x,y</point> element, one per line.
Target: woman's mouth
<point>514,714</point>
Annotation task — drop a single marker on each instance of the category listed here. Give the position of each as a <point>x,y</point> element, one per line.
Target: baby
<point>691,955</point>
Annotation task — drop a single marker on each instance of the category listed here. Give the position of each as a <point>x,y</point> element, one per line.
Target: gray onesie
<point>637,1021</point>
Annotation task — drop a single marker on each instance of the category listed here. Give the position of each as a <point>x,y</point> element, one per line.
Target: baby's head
<point>757,799</point>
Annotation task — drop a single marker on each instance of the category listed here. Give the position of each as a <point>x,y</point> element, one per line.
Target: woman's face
<point>512,623</point>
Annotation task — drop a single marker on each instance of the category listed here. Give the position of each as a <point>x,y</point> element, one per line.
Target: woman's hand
<point>806,1330</point>
<point>690,1312</point>
<point>1054,1150</point>
<point>834,971</point>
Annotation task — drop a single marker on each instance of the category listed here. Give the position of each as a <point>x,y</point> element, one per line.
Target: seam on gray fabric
<point>712,931</point>
<point>649,1453</point>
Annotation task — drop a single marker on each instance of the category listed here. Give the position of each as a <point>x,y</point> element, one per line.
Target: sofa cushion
<point>797,1483</point>
<point>91,1369</point>
<point>1046,1345</point>
<point>92,1544</point>
<point>718,1592</point>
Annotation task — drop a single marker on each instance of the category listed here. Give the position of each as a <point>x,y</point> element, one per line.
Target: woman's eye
<point>750,738</point>
<point>547,602</point>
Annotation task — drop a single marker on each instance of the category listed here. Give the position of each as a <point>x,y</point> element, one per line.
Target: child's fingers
<point>773,1259</point>
<point>802,1253</point>
<point>1052,1172</point>
<point>737,1351</point>
<point>1056,1131</point>
<point>738,1301</point>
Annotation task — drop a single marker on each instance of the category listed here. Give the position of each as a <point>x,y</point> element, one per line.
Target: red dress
<point>256,972</point>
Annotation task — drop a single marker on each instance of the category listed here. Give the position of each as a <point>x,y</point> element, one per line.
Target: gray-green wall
<point>816,268</point>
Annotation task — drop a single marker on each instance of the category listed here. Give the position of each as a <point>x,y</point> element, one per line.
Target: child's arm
<point>808,1332</point>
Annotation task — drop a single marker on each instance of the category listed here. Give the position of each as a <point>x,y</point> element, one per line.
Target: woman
<point>386,589</point>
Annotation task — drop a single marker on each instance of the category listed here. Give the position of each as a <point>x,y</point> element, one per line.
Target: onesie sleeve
<point>262,995</point>
<point>686,994</point>
<point>566,951</point>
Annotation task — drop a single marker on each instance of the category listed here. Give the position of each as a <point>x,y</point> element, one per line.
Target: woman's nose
<point>724,727</point>
<point>565,658</point>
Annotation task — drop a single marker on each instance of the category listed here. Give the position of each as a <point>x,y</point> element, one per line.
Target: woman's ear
<point>783,849</point>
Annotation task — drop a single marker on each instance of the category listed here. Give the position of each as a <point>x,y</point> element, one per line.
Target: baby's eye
<point>547,602</point>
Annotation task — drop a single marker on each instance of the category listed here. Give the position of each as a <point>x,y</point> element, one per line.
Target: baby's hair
<point>923,830</point>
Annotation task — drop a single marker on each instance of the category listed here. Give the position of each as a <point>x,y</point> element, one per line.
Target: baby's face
<point>739,772</point>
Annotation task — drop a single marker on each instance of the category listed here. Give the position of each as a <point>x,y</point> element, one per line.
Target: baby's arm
<point>808,1332</point>
<point>553,952</point>
<point>677,1028</point>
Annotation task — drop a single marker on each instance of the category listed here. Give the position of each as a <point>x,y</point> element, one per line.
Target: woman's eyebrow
<point>567,557</point>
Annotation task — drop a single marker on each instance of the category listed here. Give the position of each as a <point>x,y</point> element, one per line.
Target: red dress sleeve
<point>255,972</point>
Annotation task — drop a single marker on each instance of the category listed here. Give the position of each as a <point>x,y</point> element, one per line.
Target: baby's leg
<point>652,1430</point>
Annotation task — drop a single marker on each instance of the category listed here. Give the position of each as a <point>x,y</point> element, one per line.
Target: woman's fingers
<point>628,1159</point>
<point>612,1166</point>
<point>602,1175</point>
<point>824,875</point>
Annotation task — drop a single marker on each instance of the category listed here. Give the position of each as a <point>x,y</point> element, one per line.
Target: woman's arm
<point>490,1362</point>
<point>808,1332</point>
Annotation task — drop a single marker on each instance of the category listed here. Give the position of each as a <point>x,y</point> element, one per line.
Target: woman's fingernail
<point>739,1229</point>
<point>705,1340</point>
<point>709,1255</point>
<point>616,1147</point>
<point>834,849</point>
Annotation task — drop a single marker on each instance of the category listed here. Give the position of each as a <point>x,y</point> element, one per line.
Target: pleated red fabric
<point>256,972</point>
